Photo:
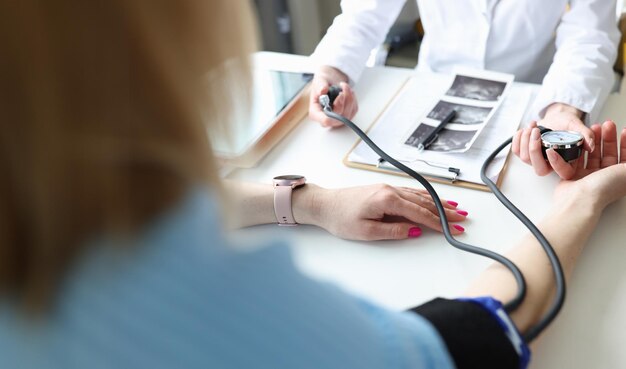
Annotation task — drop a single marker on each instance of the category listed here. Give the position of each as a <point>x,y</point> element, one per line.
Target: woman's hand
<point>527,141</point>
<point>568,225</point>
<point>345,104</point>
<point>374,212</point>
<point>603,179</point>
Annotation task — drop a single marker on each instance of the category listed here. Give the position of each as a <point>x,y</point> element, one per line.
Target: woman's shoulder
<point>171,284</point>
<point>181,296</point>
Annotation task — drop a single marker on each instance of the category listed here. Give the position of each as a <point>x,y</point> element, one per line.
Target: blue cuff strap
<point>495,308</point>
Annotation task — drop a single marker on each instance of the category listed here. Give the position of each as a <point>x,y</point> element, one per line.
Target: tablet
<point>273,91</point>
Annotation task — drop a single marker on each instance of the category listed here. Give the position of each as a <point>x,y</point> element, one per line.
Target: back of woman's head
<point>103,106</point>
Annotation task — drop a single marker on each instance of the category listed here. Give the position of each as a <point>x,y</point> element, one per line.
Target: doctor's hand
<point>527,141</point>
<point>345,104</point>
<point>374,212</point>
<point>603,179</point>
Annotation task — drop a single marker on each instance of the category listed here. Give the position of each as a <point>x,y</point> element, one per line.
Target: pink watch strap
<point>282,205</point>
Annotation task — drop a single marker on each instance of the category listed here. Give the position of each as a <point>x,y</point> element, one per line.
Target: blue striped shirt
<point>181,297</point>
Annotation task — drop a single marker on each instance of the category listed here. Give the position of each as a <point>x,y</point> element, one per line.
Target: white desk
<point>591,330</point>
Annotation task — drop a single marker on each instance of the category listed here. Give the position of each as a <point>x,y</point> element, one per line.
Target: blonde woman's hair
<point>103,113</point>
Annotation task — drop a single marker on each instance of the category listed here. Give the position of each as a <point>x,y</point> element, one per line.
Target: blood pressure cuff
<point>477,332</point>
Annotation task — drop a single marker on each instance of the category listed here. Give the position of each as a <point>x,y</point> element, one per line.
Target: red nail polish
<point>462,212</point>
<point>415,232</point>
<point>459,228</point>
<point>453,203</point>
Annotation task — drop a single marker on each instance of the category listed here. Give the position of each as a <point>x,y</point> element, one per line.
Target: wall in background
<point>296,26</point>
<point>311,19</point>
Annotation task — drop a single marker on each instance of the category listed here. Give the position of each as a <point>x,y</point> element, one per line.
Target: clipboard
<point>506,121</point>
<point>390,169</point>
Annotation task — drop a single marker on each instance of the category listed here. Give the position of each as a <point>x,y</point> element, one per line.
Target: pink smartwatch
<point>283,186</point>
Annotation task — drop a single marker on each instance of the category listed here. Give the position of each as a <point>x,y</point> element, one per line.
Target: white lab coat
<point>571,52</point>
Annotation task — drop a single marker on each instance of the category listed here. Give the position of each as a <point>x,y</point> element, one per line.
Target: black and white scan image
<point>476,88</point>
<point>447,139</point>
<point>465,114</point>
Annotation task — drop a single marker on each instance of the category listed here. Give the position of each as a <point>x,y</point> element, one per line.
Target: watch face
<point>292,180</point>
<point>562,138</point>
<point>289,177</point>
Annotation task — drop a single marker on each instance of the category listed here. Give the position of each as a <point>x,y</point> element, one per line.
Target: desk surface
<point>591,329</point>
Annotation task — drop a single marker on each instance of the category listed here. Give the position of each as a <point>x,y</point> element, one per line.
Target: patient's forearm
<point>249,203</point>
<point>253,203</point>
<point>568,229</point>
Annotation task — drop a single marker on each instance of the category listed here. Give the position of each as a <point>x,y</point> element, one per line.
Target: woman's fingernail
<point>459,228</point>
<point>462,212</point>
<point>453,203</point>
<point>415,232</point>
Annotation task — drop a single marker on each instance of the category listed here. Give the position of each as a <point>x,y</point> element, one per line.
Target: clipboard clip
<point>454,172</point>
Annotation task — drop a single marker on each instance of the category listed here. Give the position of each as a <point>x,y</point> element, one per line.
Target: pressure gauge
<point>568,144</point>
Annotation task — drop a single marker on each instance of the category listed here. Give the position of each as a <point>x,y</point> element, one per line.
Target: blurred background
<point>296,26</point>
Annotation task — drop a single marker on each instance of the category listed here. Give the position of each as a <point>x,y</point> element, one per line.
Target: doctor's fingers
<point>589,135</point>
<point>622,145</point>
<point>427,202</point>
<point>609,145</point>
<point>524,155</point>
<point>319,88</point>
<point>342,105</point>
<point>420,215</point>
<point>535,153</point>
<point>349,103</point>
<point>515,146</point>
<point>317,114</point>
<point>564,169</point>
<point>345,104</point>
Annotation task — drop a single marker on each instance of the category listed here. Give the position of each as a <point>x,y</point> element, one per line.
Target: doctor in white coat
<point>569,46</point>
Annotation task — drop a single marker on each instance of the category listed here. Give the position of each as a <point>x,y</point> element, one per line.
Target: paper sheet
<point>416,100</point>
<point>475,96</point>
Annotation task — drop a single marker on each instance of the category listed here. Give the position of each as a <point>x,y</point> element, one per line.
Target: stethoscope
<point>568,144</point>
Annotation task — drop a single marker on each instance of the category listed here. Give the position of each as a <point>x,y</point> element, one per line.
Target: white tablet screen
<point>272,91</point>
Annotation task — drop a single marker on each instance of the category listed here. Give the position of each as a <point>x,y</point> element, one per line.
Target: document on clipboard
<point>489,108</point>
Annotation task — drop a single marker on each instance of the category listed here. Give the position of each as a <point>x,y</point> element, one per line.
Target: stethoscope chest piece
<point>568,144</point>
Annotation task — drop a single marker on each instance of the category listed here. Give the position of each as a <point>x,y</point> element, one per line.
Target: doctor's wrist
<point>557,108</point>
<point>331,75</point>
